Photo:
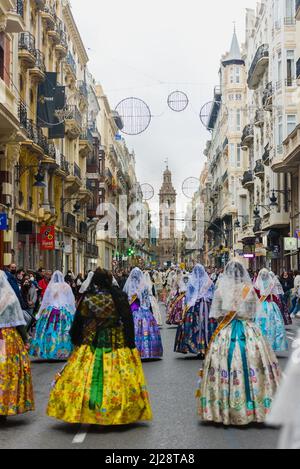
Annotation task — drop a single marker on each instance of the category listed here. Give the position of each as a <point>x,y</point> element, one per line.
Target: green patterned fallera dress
<point>241,372</point>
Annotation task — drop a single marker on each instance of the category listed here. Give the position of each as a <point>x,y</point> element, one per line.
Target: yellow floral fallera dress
<point>16,393</point>
<point>125,397</point>
<point>222,396</point>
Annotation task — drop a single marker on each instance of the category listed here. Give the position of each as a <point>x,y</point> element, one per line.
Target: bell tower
<point>167,224</point>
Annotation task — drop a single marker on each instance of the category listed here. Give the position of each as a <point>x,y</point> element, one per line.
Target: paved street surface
<point>172,383</point>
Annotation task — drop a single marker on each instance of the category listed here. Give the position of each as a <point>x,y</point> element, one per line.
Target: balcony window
<point>290,9</point>
<point>291,123</point>
<point>291,67</point>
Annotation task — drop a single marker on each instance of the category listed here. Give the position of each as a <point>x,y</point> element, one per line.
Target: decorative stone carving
<point>12,155</point>
<point>3,23</point>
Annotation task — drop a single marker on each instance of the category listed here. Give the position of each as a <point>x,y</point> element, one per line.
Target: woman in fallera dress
<point>153,298</point>
<point>52,340</point>
<point>103,382</point>
<point>147,333</point>
<point>241,373</point>
<point>16,394</point>
<point>268,316</point>
<point>176,303</point>
<point>196,328</point>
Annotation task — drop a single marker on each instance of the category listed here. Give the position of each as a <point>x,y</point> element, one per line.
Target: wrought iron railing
<point>20,8</point>
<point>70,222</point>
<point>71,62</point>
<point>248,132</point>
<point>248,177</point>
<point>40,60</point>
<point>74,114</point>
<point>262,51</point>
<point>268,93</point>
<point>77,171</point>
<point>82,87</point>
<point>86,134</point>
<point>64,164</point>
<point>259,167</point>
<point>27,42</point>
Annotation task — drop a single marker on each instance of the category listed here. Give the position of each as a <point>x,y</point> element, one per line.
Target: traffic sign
<point>3,222</point>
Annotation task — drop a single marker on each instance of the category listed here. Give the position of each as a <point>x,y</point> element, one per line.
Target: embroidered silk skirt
<point>147,334</point>
<point>240,378</point>
<point>195,331</point>
<point>16,394</point>
<point>269,319</point>
<point>52,339</point>
<point>175,310</point>
<point>121,391</point>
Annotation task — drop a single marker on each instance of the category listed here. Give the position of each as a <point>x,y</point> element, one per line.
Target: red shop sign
<point>47,235</point>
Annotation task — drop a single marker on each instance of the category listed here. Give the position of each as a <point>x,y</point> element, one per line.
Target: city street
<point>172,384</point>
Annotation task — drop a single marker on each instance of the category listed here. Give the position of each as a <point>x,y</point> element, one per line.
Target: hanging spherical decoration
<point>178,101</point>
<point>148,192</point>
<point>135,115</point>
<point>190,187</point>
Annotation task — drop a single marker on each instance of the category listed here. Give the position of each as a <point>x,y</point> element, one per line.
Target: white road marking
<point>81,435</point>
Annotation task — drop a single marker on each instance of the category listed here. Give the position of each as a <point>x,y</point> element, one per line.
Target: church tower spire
<point>167,224</point>
<point>234,56</point>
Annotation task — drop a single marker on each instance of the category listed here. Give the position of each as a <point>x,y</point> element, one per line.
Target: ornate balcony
<point>259,119</point>
<point>247,137</point>
<point>59,38</point>
<point>48,14</point>
<point>259,64</point>
<point>248,180</point>
<point>86,143</point>
<point>39,70</point>
<point>288,162</point>
<point>268,94</point>
<point>259,169</point>
<point>70,223</point>
<point>266,156</point>
<point>70,68</point>
<point>15,18</point>
<point>27,49</point>
<point>73,122</point>
<point>73,180</point>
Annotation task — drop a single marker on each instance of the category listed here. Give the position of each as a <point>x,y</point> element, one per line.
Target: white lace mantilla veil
<point>277,289</point>
<point>58,294</point>
<point>86,284</point>
<point>234,293</point>
<point>266,283</point>
<point>148,282</point>
<point>285,410</point>
<point>11,314</point>
<point>199,286</point>
<point>183,285</point>
<point>136,284</point>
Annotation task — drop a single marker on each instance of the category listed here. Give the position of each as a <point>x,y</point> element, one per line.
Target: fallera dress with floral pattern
<point>16,393</point>
<point>103,382</point>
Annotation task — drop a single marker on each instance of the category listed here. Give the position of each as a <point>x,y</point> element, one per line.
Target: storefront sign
<point>3,222</point>
<point>297,234</point>
<point>47,238</point>
<point>290,244</point>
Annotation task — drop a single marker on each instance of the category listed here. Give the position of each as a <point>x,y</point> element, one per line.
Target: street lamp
<point>39,177</point>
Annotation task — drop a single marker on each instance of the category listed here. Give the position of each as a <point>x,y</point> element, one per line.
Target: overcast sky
<point>148,49</point>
